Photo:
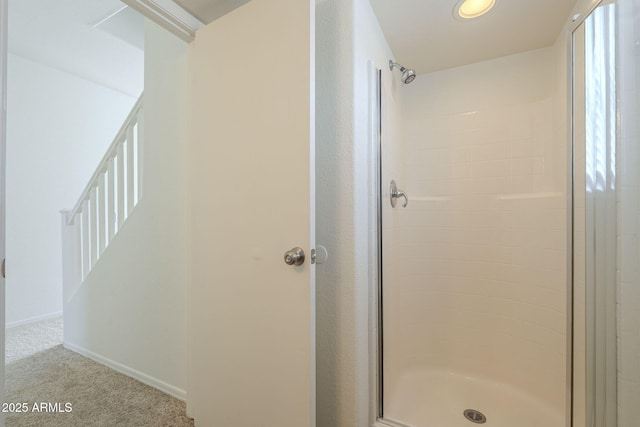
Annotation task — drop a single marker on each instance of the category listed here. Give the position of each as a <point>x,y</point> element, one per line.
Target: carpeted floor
<point>27,340</point>
<point>76,391</point>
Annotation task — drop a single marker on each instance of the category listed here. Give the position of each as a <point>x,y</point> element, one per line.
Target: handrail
<point>111,151</point>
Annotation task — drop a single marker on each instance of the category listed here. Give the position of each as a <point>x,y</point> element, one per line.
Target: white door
<point>251,325</point>
<point>3,122</point>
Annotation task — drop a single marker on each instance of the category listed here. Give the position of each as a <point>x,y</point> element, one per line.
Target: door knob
<point>294,257</point>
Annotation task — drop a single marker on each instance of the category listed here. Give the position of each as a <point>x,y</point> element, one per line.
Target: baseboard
<point>33,320</point>
<point>130,372</point>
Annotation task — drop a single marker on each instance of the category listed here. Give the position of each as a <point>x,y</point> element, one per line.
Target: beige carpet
<point>27,340</point>
<point>39,370</point>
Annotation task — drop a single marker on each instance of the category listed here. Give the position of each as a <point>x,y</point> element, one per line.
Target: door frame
<point>3,135</point>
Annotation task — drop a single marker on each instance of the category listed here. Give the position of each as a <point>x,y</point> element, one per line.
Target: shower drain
<point>475,416</point>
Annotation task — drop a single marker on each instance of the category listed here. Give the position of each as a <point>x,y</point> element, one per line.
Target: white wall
<point>479,256</point>
<point>335,288</point>
<point>347,38</point>
<point>130,312</point>
<point>58,127</point>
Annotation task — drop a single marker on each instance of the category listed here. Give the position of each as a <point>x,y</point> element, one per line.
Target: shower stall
<point>504,219</point>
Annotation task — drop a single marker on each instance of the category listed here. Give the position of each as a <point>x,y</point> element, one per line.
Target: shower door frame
<point>376,338</point>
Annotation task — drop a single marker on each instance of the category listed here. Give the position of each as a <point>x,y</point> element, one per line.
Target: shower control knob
<point>294,257</point>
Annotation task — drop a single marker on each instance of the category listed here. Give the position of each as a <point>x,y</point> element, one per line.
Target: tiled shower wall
<point>476,265</point>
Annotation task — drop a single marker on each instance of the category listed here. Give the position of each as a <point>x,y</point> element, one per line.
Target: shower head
<point>408,75</point>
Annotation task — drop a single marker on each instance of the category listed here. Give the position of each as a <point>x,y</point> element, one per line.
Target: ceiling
<point>208,11</point>
<point>86,38</point>
<point>425,35</point>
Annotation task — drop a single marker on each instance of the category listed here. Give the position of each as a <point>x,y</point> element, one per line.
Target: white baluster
<point>140,154</point>
<point>101,215</point>
<point>71,253</point>
<point>76,256</point>
<point>86,242</point>
<point>93,224</point>
<point>111,201</point>
<point>130,167</point>
<point>68,250</point>
<point>120,179</point>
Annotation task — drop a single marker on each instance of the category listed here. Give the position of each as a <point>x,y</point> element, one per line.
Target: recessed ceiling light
<point>469,9</point>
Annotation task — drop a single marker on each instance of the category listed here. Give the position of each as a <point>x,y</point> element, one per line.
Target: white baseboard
<point>143,378</point>
<point>33,320</point>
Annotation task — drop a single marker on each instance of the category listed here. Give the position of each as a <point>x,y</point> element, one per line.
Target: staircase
<point>112,193</point>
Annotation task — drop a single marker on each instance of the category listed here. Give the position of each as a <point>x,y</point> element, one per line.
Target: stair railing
<point>108,199</point>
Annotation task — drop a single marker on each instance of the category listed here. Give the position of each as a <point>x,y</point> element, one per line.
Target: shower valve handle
<point>395,194</point>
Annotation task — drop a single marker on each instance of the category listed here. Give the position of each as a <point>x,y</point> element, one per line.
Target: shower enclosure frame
<point>590,393</point>
<point>376,336</point>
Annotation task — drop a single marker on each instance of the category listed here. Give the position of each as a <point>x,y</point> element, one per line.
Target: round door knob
<point>294,257</point>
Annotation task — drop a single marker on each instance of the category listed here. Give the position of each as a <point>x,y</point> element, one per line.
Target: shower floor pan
<point>439,399</point>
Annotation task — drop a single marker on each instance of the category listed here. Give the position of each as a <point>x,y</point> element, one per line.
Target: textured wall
<point>335,280</point>
<point>347,38</point>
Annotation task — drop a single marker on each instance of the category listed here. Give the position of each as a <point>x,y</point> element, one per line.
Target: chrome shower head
<point>408,75</point>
